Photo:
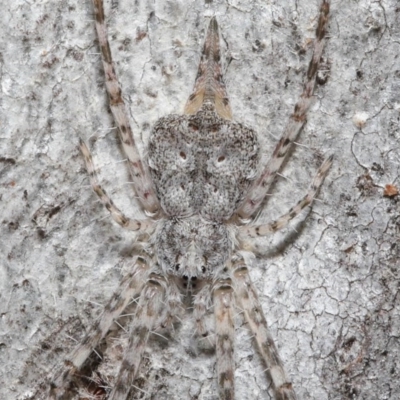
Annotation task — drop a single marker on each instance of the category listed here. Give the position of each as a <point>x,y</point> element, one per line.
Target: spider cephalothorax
<point>193,247</point>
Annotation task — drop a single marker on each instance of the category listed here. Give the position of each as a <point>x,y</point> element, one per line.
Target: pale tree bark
<point>328,285</point>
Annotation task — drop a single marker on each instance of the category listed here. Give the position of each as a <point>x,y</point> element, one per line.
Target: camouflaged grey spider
<point>202,182</point>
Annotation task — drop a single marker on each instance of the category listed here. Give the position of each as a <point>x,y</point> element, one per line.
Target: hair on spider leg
<point>301,145</point>
<point>97,354</point>
<point>124,160</point>
<point>120,326</point>
<point>321,201</point>
<point>239,313</point>
<point>285,177</point>
<point>133,301</point>
<point>209,336</point>
<point>71,338</point>
<point>161,336</point>
<point>141,390</point>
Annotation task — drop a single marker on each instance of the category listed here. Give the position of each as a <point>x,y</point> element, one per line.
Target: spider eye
<point>221,158</point>
<point>182,155</point>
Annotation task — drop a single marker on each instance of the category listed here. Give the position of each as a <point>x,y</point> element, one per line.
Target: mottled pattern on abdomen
<point>202,164</point>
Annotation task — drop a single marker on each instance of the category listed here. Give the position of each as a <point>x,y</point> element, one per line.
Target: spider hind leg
<point>247,299</point>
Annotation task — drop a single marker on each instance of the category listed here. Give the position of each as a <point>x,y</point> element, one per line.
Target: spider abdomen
<point>202,164</point>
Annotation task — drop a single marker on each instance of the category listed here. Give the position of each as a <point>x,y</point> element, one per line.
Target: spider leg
<point>130,287</point>
<point>296,122</point>
<point>225,332</point>
<point>209,85</point>
<point>174,305</point>
<point>201,303</point>
<point>140,175</point>
<point>282,221</point>
<point>149,313</point>
<point>116,213</point>
<point>247,298</point>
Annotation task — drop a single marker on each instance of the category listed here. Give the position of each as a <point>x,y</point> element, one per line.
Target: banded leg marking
<point>148,315</point>
<point>117,215</point>
<point>282,221</point>
<point>248,300</point>
<point>130,287</point>
<point>140,176</point>
<point>225,331</point>
<point>293,128</point>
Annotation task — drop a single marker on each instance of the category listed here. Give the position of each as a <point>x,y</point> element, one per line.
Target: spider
<point>200,185</point>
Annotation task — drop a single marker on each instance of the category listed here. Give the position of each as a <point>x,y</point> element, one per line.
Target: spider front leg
<point>296,122</point>
<point>130,287</point>
<point>140,175</point>
<point>116,213</point>
<point>282,221</point>
<point>247,298</point>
